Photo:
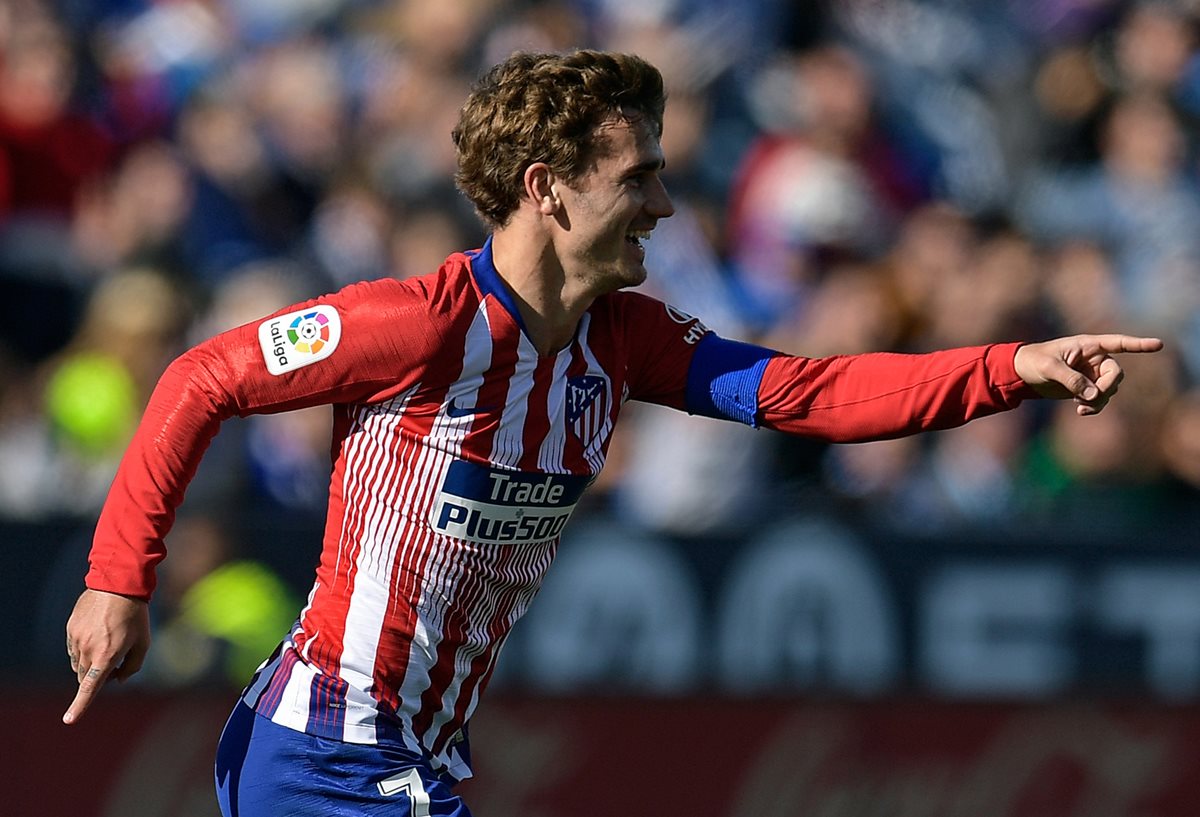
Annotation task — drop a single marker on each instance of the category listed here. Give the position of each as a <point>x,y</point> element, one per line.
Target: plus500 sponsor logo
<point>492,506</point>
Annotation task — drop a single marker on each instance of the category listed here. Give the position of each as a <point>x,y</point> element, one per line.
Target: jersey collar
<point>489,282</point>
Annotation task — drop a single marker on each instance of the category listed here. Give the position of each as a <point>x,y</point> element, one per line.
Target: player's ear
<point>540,188</point>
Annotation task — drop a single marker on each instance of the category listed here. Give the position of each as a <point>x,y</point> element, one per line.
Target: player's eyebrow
<point>646,167</point>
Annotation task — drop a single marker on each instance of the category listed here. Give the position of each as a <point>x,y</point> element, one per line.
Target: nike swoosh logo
<point>455,410</point>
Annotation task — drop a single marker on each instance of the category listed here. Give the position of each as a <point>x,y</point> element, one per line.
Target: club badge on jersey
<point>587,406</point>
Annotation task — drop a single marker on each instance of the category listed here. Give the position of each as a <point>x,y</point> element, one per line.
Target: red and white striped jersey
<point>458,455</point>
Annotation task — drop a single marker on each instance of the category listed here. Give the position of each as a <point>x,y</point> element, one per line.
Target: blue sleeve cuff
<point>724,377</point>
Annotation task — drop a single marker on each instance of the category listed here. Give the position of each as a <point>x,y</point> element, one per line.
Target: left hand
<point>1080,366</point>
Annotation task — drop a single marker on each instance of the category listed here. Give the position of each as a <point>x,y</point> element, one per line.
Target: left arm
<point>856,398</point>
<point>876,396</point>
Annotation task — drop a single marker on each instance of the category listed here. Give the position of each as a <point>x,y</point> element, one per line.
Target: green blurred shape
<point>245,605</point>
<point>92,401</point>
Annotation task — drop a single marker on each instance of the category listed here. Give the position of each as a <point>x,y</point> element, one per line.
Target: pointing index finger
<point>1113,344</point>
<point>89,685</point>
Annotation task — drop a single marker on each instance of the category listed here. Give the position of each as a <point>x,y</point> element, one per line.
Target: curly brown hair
<point>545,108</point>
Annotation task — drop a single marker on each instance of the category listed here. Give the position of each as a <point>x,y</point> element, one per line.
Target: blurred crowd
<point>849,176</point>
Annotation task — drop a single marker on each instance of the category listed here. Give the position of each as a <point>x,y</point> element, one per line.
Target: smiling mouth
<point>636,237</point>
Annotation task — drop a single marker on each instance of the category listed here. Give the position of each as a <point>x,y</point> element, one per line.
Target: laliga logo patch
<point>297,339</point>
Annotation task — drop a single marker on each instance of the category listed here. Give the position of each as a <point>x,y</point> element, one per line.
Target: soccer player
<point>472,407</point>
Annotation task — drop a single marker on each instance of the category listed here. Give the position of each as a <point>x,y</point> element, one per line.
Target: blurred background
<point>998,620</point>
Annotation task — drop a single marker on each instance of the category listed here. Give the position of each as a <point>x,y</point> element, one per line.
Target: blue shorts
<point>268,770</point>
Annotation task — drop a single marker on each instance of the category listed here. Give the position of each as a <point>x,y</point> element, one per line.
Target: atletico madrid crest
<point>587,406</point>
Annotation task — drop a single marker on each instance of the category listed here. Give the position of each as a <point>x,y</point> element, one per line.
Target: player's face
<point>612,208</point>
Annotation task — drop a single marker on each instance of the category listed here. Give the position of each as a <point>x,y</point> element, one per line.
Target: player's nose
<point>658,202</point>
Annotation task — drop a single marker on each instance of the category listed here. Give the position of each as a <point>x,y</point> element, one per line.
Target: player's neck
<point>550,306</point>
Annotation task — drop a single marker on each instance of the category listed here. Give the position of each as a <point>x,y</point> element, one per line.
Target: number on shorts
<point>409,784</point>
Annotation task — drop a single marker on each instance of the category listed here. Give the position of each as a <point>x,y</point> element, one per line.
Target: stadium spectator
<point>822,180</point>
<point>49,148</point>
<point>134,213</point>
<point>934,247</point>
<point>1080,287</point>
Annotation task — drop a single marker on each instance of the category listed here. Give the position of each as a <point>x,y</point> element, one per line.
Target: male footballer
<point>472,407</point>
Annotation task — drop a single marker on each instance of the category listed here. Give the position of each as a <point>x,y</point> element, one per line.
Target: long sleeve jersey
<point>458,454</point>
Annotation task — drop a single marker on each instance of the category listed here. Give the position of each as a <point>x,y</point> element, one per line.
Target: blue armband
<point>724,377</point>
